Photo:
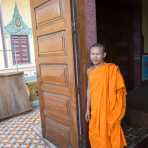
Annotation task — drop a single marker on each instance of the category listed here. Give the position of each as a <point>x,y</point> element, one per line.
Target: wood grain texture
<point>52,28</point>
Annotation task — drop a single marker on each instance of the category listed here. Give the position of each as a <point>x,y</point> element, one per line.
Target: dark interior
<point>119,28</point>
<point>116,29</point>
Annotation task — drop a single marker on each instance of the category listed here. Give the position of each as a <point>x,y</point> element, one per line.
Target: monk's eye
<point>99,54</point>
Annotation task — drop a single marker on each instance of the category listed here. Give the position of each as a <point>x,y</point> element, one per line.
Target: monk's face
<point>97,55</point>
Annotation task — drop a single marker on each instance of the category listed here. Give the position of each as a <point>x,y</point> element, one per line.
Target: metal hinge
<point>45,113</point>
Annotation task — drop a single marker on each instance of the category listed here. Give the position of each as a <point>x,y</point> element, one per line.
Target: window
<point>20,49</point>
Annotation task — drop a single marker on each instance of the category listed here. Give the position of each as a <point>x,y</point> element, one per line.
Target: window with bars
<point>20,49</point>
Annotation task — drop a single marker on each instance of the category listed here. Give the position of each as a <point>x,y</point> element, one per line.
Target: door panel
<point>55,70</point>
<point>63,107</point>
<point>52,44</point>
<point>59,131</point>
<point>48,11</point>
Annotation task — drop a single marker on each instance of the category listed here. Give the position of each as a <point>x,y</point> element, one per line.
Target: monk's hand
<point>87,115</point>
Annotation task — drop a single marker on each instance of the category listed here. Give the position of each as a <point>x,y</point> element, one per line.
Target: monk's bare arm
<point>87,115</point>
<point>88,97</point>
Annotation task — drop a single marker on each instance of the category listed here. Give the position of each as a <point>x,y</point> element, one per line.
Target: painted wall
<point>23,6</point>
<point>145,25</point>
<point>24,9</point>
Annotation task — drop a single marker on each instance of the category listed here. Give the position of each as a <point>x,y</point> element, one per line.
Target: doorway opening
<point>115,31</point>
<point>122,28</point>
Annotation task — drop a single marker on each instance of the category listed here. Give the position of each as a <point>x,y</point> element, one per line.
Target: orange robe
<point>108,97</point>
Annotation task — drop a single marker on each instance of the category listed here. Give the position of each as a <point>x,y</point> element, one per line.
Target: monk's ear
<point>104,54</point>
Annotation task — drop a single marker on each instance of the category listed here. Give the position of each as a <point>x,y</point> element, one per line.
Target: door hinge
<point>45,113</point>
<point>69,146</point>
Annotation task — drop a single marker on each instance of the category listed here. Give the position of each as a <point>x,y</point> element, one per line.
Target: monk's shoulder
<point>112,66</point>
<point>89,70</point>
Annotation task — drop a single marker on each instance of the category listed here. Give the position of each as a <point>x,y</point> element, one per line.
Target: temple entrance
<point>117,31</point>
<point>122,28</point>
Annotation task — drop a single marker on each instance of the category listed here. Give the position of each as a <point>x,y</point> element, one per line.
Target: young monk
<point>106,97</point>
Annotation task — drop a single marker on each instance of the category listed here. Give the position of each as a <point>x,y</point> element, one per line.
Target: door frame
<point>76,50</point>
<point>80,50</point>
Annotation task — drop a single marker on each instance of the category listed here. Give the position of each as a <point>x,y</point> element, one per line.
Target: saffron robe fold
<point>108,103</point>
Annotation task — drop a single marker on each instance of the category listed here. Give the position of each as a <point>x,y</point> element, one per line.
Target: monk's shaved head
<point>97,54</point>
<point>97,45</point>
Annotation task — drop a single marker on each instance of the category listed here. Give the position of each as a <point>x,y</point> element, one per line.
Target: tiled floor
<point>19,132</point>
<point>24,132</point>
<point>135,136</point>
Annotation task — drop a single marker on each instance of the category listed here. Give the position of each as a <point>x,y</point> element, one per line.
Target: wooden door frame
<point>81,36</point>
<point>81,60</point>
<point>76,50</point>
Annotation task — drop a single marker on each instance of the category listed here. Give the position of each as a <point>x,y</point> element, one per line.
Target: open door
<point>56,71</point>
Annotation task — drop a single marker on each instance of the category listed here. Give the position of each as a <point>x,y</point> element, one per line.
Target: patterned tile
<point>18,132</point>
<point>24,131</point>
<point>134,136</point>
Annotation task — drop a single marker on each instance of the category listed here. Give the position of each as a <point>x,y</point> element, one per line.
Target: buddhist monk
<point>106,101</point>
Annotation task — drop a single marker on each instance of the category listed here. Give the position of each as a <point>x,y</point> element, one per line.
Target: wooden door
<point>55,70</point>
